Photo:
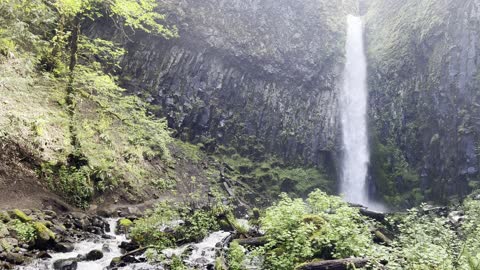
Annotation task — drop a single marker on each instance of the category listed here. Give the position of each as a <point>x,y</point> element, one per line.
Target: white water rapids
<point>353,108</point>
<point>202,254</point>
<point>84,247</point>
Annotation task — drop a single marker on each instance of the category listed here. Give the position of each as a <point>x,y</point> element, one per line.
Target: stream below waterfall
<point>201,255</point>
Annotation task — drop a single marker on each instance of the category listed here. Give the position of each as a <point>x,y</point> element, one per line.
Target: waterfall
<point>353,108</point>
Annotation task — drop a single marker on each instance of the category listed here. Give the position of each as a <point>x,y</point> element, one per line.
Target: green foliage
<point>425,242</point>
<point>299,230</point>
<point>236,256</point>
<point>197,225</point>
<point>25,231</point>
<point>114,133</point>
<point>7,46</point>
<point>469,257</point>
<point>235,224</point>
<point>142,15</point>
<point>121,135</point>
<point>22,23</point>
<point>395,179</point>
<point>74,184</point>
<point>149,229</point>
<point>177,264</point>
<point>271,177</point>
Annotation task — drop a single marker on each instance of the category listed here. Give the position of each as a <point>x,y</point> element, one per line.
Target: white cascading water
<point>353,107</point>
<point>83,247</point>
<point>202,254</point>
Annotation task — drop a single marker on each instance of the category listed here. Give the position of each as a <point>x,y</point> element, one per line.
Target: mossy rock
<point>4,217</point>
<point>43,233</point>
<point>8,244</point>
<point>124,225</point>
<point>235,225</point>
<point>225,225</point>
<point>115,262</point>
<point>3,230</point>
<point>20,215</point>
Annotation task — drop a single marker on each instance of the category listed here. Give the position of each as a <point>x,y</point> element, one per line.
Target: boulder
<point>4,231</point>
<point>128,246</point>
<point>94,255</point>
<point>64,247</point>
<point>59,228</point>
<point>65,264</point>
<point>43,255</point>
<point>80,224</point>
<point>106,248</point>
<point>95,230</point>
<point>98,222</point>
<point>13,258</point>
<point>124,225</point>
<point>129,259</point>
<point>45,237</point>
<point>8,243</point>
<point>106,236</point>
<point>78,215</point>
<point>4,216</point>
<point>50,213</point>
<point>5,265</point>
<point>117,262</point>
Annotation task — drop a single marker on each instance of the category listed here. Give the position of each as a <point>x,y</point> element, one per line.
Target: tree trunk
<point>70,99</point>
<point>342,264</point>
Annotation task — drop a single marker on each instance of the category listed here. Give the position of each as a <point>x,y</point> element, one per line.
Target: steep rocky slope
<point>424,87</point>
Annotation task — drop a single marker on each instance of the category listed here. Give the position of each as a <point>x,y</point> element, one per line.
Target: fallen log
<point>381,237</point>
<point>378,216</point>
<point>342,264</point>
<point>254,241</point>
<point>136,251</point>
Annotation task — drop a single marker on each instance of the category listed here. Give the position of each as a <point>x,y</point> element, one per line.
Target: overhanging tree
<point>72,14</point>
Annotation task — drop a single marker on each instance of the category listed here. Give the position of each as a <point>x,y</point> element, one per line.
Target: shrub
<point>424,241</point>
<point>149,230</point>
<point>236,256</point>
<point>197,225</point>
<point>322,226</point>
<point>74,184</point>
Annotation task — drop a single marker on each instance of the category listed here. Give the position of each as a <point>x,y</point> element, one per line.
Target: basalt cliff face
<point>424,96</point>
<point>261,76</point>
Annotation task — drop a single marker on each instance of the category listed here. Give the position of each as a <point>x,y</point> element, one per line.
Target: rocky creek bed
<point>80,241</point>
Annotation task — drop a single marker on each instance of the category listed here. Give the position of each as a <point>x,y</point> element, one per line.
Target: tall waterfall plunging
<point>353,108</point>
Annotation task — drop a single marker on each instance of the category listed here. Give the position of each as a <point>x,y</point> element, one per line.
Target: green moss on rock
<point>20,215</point>
<point>43,233</point>
<point>4,217</point>
<point>124,225</point>
<point>125,222</point>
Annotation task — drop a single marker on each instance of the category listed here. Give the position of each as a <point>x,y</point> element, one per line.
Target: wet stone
<point>65,264</point>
